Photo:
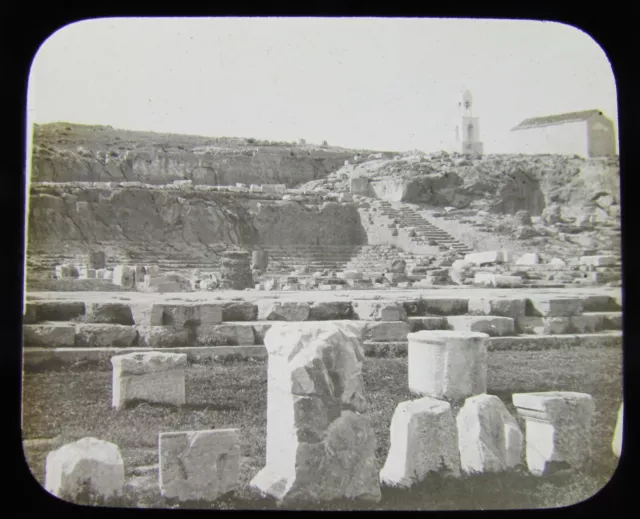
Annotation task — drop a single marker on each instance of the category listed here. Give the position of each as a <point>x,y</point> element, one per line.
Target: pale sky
<point>375,83</point>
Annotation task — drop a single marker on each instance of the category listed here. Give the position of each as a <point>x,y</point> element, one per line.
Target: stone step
<point>36,357</point>
<point>516,343</point>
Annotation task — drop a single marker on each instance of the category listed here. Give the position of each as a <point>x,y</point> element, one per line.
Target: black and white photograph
<point>322,264</point>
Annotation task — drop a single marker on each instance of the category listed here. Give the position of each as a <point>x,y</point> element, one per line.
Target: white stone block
<point>496,280</point>
<point>199,465</point>
<point>531,258</point>
<point>89,466</point>
<point>616,444</point>
<point>124,276</point>
<point>489,438</point>
<point>423,441</point>
<point>598,261</point>
<point>149,376</point>
<point>484,258</point>
<point>320,444</point>
<point>558,428</point>
<point>553,306</point>
<point>446,364</point>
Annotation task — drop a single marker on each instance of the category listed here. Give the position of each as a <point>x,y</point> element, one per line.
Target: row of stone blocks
<point>320,442</point>
<point>158,314</point>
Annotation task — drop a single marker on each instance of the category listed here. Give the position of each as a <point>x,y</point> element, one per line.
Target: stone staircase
<point>425,231</point>
<point>374,259</point>
<point>289,258</point>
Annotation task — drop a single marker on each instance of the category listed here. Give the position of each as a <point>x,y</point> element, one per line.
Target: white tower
<point>467,127</point>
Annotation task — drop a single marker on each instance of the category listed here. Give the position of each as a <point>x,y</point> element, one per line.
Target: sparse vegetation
<point>72,402</point>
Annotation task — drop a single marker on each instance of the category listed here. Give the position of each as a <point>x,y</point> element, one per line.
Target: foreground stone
<point>319,444</point>
<point>489,438</point>
<point>55,310</point>
<point>492,326</point>
<point>191,314</point>
<point>163,337</point>
<point>616,444</point>
<point>88,469</point>
<point>423,440</point>
<point>199,465</point>
<point>558,428</point>
<point>149,376</point>
<point>447,365</point>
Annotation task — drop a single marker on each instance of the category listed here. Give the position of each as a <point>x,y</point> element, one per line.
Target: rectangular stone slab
<point>491,325</point>
<point>226,334</point>
<point>552,306</point>
<point>105,335</point>
<point>199,465</point>
<point>150,377</point>
<point>50,335</point>
<point>56,310</point>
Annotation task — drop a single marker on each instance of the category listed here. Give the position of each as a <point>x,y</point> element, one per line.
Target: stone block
<point>147,314</point>
<point>544,325</point>
<point>320,444</point>
<point>553,306</point>
<point>239,311</point>
<point>87,466</point>
<point>423,441</point>
<point>152,270</point>
<point>377,310</point>
<point>558,428</point>
<point>330,310</point>
<point>386,331</point>
<point>191,314</point>
<point>484,258</point>
<point>124,276</point>
<point>491,325</point>
<point>260,329</point>
<point>600,303</point>
<point>395,277</point>
<point>428,323</point>
<point>199,465</point>
<point>447,365</point>
<point>139,273</point>
<point>49,335</point>
<point>105,335</point>
<point>259,260</point>
<point>97,260</point>
<point>503,307</point>
<point>489,438</point>
<point>57,310</point>
<point>445,306</point>
<point>350,274</point>
<point>490,279</point>
<point>226,334</point>
<point>109,313</point>
<point>598,261</point>
<point>359,186</point>
<point>273,310</point>
<point>616,444</point>
<point>149,376</point>
<point>530,258</point>
<point>164,337</point>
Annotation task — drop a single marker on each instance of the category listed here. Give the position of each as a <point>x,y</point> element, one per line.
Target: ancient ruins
<point>317,260</point>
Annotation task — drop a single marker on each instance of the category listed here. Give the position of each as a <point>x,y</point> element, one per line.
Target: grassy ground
<point>69,403</point>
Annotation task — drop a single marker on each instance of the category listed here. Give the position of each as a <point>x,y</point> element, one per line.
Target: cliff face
<point>76,153</point>
<point>143,221</point>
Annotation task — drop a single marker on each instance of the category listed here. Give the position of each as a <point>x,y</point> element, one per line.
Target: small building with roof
<point>587,134</point>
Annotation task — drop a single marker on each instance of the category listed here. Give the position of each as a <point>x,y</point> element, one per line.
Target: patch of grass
<point>75,402</point>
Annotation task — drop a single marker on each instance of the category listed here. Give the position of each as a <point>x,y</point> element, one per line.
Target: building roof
<point>550,120</point>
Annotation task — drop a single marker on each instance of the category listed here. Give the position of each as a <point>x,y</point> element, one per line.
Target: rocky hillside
<point>65,152</point>
<point>500,184</point>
